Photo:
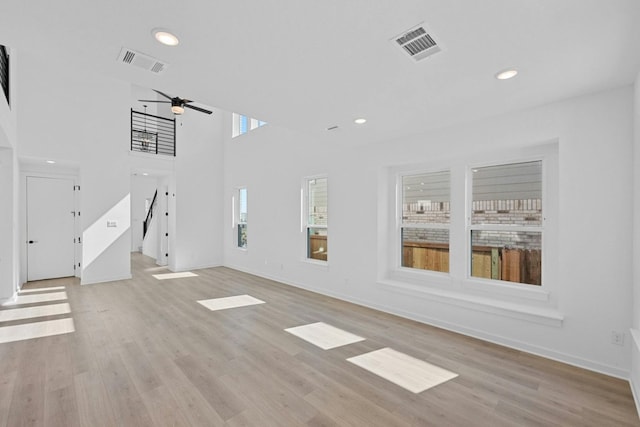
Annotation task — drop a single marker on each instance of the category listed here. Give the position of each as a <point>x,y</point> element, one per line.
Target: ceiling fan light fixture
<point>177,109</point>
<point>165,37</point>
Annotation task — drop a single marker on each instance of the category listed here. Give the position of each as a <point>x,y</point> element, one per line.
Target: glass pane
<point>242,235</point>
<point>508,194</point>
<point>317,201</point>
<point>243,124</point>
<point>513,256</point>
<point>425,198</point>
<point>242,218</point>
<point>317,243</point>
<point>242,202</point>
<point>426,249</point>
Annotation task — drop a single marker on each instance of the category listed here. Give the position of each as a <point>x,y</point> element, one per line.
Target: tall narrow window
<point>424,226</point>
<point>317,218</point>
<point>242,218</point>
<point>506,222</point>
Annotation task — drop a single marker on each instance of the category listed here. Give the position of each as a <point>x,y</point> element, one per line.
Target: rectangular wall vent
<point>140,60</point>
<point>417,42</point>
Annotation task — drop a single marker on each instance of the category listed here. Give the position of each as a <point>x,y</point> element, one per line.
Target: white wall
<point>593,282</point>
<point>635,327</point>
<point>75,115</point>
<point>195,195</point>
<point>9,183</point>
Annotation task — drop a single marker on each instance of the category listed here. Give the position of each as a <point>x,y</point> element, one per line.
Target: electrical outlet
<point>617,338</point>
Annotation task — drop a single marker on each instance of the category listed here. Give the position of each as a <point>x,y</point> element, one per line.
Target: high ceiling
<point>310,65</point>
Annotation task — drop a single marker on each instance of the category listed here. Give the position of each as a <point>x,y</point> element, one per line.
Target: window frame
<point>469,227</point>
<point>236,217</point>
<point>399,223</point>
<point>458,286</point>
<point>305,226</point>
<point>242,124</point>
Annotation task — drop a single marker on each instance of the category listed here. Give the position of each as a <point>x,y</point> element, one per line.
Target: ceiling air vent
<point>140,60</point>
<point>417,43</point>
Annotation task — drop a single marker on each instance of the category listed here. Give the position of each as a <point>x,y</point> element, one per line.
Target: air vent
<point>140,60</point>
<point>417,42</point>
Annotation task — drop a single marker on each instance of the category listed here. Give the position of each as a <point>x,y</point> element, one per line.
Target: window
<point>424,226</point>
<point>242,124</point>
<point>505,227</point>
<point>316,218</point>
<point>4,71</point>
<point>242,218</point>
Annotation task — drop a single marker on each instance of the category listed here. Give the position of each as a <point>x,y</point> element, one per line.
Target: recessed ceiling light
<point>51,162</point>
<point>507,74</point>
<point>165,37</point>
<point>144,173</point>
<point>360,121</point>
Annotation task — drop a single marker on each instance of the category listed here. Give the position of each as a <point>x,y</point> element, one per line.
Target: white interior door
<point>50,226</point>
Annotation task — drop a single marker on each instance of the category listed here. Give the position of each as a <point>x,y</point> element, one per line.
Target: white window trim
<point>458,283</point>
<point>408,271</point>
<point>304,219</point>
<point>235,216</point>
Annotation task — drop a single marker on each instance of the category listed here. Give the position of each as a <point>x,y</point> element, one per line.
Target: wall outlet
<point>617,338</point>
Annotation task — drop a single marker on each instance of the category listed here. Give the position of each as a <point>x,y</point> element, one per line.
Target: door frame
<point>67,173</point>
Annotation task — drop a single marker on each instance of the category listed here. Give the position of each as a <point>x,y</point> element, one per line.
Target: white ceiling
<point>309,65</point>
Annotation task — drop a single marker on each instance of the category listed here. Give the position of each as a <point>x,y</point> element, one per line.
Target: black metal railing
<point>153,134</point>
<point>147,220</point>
<point>4,71</point>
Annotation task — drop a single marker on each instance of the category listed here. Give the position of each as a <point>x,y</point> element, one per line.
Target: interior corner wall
<point>594,134</point>
<point>195,195</point>
<point>9,184</point>
<point>84,120</point>
<point>635,327</point>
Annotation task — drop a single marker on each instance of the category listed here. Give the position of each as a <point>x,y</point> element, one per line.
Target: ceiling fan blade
<point>202,110</point>
<point>163,94</point>
<point>151,100</point>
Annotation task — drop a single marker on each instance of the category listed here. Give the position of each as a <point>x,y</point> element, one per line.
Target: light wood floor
<point>145,353</point>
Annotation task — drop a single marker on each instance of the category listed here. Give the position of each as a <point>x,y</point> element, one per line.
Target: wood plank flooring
<point>145,353</point>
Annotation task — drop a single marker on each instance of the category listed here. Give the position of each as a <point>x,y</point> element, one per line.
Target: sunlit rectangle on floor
<point>38,298</point>
<point>324,336</point>
<point>408,372</point>
<point>230,302</point>
<point>36,330</point>
<point>166,276</point>
<point>33,312</point>
<point>52,288</point>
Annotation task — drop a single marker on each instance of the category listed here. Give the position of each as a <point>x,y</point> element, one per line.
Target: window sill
<point>497,287</point>
<point>540,315</point>
<point>321,264</point>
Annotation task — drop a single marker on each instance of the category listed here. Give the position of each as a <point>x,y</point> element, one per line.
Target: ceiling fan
<point>177,104</point>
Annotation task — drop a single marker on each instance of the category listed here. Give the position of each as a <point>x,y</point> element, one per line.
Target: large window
<point>424,226</point>
<point>242,124</point>
<point>316,218</point>
<point>505,227</point>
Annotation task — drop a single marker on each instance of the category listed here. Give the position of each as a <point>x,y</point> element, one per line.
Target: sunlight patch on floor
<point>324,336</point>
<point>230,302</point>
<point>408,372</point>
<point>174,275</point>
